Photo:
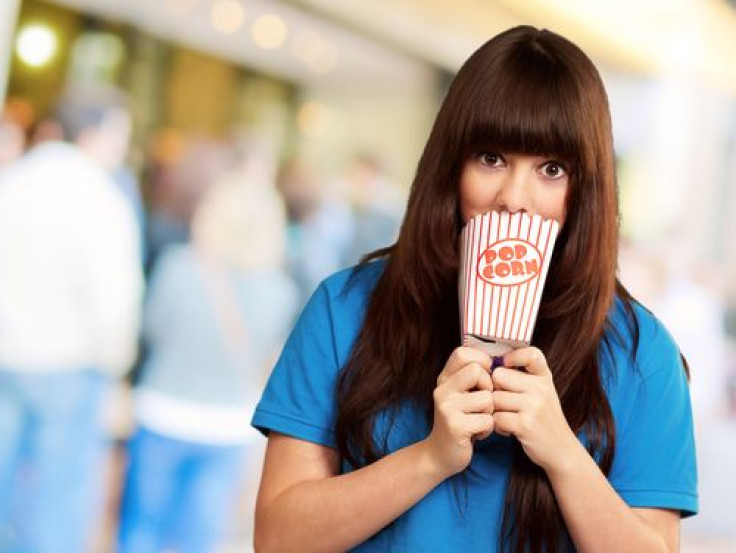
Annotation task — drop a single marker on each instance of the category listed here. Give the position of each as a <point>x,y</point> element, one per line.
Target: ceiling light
<point>269,32</point>
<point>36,44</point>
<point>227,16</point>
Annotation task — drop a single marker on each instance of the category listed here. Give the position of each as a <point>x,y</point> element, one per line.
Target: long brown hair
<point>525,91</point>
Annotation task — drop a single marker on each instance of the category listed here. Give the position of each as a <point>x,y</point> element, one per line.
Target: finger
<point>511,380</point>
<point>531,358</point>
<point>483,435</point>
<point>506,423</point>
<point>464,356</point>
<point>507,401</point>
<point>469,377</point>
<point>480,425</point>
<point>476,402</point>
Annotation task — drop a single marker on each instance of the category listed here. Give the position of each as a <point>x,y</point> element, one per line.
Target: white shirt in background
<point>70,277</point>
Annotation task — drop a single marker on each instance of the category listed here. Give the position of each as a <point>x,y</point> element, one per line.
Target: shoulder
<point>53,161</point>
<point>46,164</point>
<point>636,333</point>
<point>352,287</point>
<point>641,367</point>
<point>654,462</point>
<point>334,314</point>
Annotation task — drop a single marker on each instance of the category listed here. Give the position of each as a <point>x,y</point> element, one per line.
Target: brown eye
<point>553,170</point>
<point>490,159</point>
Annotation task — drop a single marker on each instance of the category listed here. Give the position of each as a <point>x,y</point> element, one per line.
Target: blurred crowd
<point>140,313</point>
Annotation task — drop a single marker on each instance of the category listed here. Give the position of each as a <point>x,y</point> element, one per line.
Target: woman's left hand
<point>526,406</point>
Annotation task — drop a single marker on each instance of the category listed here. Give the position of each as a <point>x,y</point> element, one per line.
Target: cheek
<point>554,205</point>
<point>472,195</point>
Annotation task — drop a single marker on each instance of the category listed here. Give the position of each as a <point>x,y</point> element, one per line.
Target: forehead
<point>539,111</point>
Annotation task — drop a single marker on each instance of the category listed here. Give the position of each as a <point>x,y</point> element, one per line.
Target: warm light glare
<point>227,16</point>
<point>36,45</point>
<point>269,32</point>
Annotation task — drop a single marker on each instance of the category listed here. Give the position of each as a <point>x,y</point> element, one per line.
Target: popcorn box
<point>504,259</point>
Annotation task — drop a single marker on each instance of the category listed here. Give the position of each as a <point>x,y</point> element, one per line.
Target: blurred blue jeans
<point>52,449</point>
<point>178,495</point>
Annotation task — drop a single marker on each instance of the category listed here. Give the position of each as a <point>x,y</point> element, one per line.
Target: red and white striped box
<point>504,259</point>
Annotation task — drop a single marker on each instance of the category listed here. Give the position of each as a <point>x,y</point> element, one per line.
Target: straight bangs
<point>530,106</point>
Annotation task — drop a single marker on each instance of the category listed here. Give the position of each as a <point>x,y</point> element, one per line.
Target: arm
<point>597,518</point>
<point>304,504</point>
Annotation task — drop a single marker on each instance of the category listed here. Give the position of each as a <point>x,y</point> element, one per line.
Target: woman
<point>386,436</point>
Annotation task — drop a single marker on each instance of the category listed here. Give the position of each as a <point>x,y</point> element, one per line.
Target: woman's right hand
<point>463,409</point>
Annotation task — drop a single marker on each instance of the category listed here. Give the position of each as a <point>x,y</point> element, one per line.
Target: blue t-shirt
<point>654,463</point>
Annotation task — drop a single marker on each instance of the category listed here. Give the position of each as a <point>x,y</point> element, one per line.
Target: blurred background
<point>305,118</point>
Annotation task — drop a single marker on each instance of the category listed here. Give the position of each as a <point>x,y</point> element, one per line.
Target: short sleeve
<point>654,465</point>
<point>299,398</point>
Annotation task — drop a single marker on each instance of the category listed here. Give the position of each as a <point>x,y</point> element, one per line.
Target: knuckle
<point>444,412</point>
<point>478,371</point>
<point>459,354</point>
<point>498,422</point>
<point>497,376</point>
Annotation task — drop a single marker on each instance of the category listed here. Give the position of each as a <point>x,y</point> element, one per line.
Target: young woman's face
<point>534,184</point>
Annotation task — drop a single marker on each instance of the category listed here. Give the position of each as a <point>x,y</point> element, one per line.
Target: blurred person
<point>70,295</point>
<point>12,141</point>
<point>321,227</point>
<point>46,129</point>
<point>385,435</point>
<point>15,119</point>
<point>181,171</point>
<point>377,205</point>
<point>216,312</point>
<point>113,152</point>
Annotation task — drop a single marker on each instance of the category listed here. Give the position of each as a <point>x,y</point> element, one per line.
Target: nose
<point>514,194</point>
